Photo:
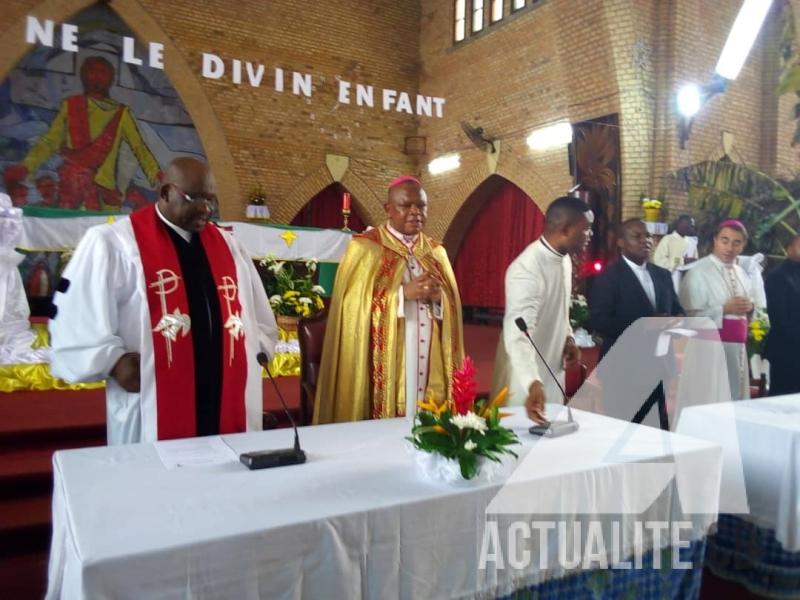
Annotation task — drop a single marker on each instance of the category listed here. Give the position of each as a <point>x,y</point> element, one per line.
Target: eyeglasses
<point>210,201</point>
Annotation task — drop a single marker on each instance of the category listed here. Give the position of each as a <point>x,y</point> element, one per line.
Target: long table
<point>359,519</point>
<point>758,544</point>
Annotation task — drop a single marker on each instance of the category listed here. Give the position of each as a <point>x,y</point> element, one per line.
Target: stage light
<point>597,266</point>
<point>445,163</point>
<point>741,38</point>
<point>551,136</point>
<point>689,100</point>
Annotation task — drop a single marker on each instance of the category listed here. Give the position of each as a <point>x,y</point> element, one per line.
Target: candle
<point>346,201</point>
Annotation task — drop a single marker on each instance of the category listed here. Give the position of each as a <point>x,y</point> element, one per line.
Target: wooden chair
<point>311,335</point>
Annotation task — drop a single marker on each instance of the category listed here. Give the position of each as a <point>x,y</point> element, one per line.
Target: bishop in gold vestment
<point>394,330</point>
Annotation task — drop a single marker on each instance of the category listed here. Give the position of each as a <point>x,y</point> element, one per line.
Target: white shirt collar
<point>408,240</point>
<point>634,266</point>
<point>547,245</point>
<point>186,235</point>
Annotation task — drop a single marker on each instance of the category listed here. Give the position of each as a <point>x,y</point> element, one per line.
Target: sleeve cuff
<point>401,304</point>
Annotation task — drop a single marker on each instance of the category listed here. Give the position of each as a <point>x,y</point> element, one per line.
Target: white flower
<point>311,265</point>
<point>470,445</point>
<point>469,421</point>
<point>305,300</point>
<point>276,267</point>
<point>275,300</point>
<point>318,289</point>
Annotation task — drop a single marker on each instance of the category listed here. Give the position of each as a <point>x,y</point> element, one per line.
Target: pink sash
<point>733,330</point>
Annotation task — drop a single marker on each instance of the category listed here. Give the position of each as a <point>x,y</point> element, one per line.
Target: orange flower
<point>499,400</point>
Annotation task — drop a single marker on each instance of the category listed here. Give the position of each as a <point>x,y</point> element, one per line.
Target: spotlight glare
<point>689,100</point>
<point>741,38</point>
<point>445,163</point>
<point>551,136</point>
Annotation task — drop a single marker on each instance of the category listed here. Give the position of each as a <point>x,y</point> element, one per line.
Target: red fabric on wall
<point>325,210</point>
<point>507,223</point>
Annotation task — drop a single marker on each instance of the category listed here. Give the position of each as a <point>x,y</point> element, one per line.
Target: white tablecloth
<point>357,520</point>
<point>767,446</point>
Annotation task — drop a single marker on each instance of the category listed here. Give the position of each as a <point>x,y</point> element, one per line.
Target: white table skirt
<point>765,446</point>
<point>40,233</point>
<point>357,520</point>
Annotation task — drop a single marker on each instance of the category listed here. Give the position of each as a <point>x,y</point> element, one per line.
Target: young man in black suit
<point>628,290</point>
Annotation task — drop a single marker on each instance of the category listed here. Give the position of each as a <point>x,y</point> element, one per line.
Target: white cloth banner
<point>40,233</point>
<point>358,520</point>
<point>765,445</point>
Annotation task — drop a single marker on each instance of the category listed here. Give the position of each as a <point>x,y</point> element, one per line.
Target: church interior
<point>304,113</point>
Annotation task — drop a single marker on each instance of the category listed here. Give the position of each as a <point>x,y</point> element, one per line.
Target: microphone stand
<point>550,429</point>
<point>266,459</point>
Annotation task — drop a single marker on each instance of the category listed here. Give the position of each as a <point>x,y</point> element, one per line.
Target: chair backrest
<point>310,335</point>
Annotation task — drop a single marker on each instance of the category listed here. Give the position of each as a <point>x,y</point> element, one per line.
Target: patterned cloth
<point>751,556</point>
<point>623,584</point>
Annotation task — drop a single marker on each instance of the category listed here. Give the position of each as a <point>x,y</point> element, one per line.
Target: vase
<point>287,323</point>
<point>435,467</point>
<point>652,214</point>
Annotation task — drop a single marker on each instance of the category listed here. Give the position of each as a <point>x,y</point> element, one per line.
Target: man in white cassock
<point>538,288</point>
<point>169,309</point>
<point>718,288</point>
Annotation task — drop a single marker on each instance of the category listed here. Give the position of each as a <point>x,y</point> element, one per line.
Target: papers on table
<point>662,346</point>
<point>195,452</point>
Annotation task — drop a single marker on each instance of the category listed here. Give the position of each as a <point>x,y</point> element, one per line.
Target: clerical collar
<point>547,245</point>
<point>721,263</point>
<point>186,235</point>
<point>408,240</point>
<point>633,265</point>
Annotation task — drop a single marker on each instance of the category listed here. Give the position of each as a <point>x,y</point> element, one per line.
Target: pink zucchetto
<point>403,179</point>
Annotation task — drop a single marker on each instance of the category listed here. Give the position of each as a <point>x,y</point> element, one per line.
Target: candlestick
<point>346,216</point>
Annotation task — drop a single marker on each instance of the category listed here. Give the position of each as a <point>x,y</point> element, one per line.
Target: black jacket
<point>618,299</point>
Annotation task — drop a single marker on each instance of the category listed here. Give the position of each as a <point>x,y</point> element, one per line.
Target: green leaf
<point>790,81</point>
<point>468,463</point>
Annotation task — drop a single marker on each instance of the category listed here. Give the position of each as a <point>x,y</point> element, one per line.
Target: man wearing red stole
<point>170,310</point>
<point>394,331</point>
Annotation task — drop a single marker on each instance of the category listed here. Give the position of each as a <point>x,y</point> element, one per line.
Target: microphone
<point>552,428</point>
<point>266,459</point>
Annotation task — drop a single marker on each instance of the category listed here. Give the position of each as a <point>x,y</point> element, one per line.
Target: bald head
<point>407,207</point>
<point>188,193</point>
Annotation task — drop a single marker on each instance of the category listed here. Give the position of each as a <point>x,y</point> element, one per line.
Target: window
<point>497,10</point>
<point>461,20</point>
<point>477,15</point>
<point>517,4</point>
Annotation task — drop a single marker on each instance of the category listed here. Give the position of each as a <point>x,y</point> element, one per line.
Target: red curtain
<point>325,210</point>
<point>507,223</point>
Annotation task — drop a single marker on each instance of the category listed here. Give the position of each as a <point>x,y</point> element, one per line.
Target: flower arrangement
<point>465,429</point>
<point>578,311</point>
<point>290,294</point>
<point>757,333</point>
<point>651,202</point>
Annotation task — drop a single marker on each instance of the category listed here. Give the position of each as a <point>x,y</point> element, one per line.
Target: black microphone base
<point>555,429</point>
<point>266,459</point>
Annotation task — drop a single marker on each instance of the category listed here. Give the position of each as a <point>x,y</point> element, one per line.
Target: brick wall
<point>573,59</point>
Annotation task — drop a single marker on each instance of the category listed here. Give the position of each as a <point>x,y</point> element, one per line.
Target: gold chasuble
<point>363,370</point>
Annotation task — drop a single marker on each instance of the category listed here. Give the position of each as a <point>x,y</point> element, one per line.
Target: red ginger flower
<point>464,387</point>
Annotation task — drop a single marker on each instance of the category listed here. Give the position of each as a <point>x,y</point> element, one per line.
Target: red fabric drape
<point>507,223</point>
<point>325,210</point>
